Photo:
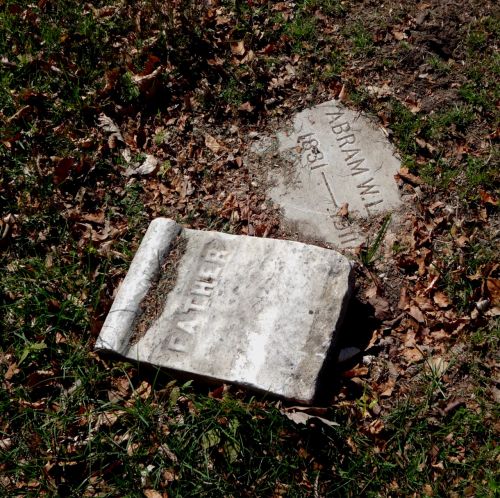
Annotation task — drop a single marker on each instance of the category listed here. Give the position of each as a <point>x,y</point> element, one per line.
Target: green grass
<point>362,40</point>
<point>212,447</point>
<point>73,423</point>
<point>368,254</point>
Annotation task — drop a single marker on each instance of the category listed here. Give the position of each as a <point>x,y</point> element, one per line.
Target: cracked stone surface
<point>334,156</point>
<point>261,313</point>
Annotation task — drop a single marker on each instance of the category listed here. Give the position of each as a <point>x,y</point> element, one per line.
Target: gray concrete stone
<point>335,156</point>
<point>261,313</point>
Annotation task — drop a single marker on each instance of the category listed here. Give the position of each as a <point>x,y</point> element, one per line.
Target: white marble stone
<point>336,156</point>
<point>261,313</point>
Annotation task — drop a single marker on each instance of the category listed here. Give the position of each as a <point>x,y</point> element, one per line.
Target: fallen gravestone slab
<point>330,157</point>
<point>261,313</point>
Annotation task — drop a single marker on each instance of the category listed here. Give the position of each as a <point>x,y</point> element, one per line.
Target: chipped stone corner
<point>118,328</point>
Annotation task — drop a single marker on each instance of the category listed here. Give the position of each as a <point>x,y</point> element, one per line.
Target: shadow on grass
<point>353,338</point>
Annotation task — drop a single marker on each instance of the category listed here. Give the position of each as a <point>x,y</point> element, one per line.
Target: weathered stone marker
<point>261,313</point>
<point>336,156</point>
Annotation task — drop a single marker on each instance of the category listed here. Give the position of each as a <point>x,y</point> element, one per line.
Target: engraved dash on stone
<point>330,191</point>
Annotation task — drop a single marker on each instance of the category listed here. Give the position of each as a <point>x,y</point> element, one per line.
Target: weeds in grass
<point>75,424</point>
<point>368,254</point>
<point>362,40</point>
<point>406,126</point>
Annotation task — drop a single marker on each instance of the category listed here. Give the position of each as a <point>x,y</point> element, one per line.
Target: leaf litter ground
<point>130,111</point>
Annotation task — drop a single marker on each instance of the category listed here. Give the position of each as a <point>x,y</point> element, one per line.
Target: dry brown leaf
<point>493,285</point>
<point>399,35</point>
<point>379,91</point>
<point>376,426</point>
<point>98,217</point>
<point>495,311</point>
<point>412,355</point>
<point>409,339</point>
<point>238,47</point>
<point>403,299</point>
<point>170,475</point>
<point>148,167</point>
<point>414,107</point>
<point>487,198</point>
<point>62,169</point>
<point>109,126</point>
<point>11,371</point>
<point>213,144</point>
<point>246,107</point>
<point>441,299</point>
<point>152,493</point>
<point>108,419</point>
<point>424,303</point>
<point>439,335</point>
<point>387,388</point>
<point>356,372</point>
<point>144,390</point>
<point>5,444</point>
<point>462,241</point>
<point>344,210</point>
<point>380,305</point>
<point>412,179</point>
<point>417,314</point>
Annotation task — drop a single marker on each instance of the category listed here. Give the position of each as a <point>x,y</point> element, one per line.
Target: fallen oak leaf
<point>238,47</point>
<point>63,168</point>
<point>387,388</point>
<point>412,355</point>
<point>247,107</point>
<point>98,217</point>
<point>149,166</point>
<point>5,444</point>
<point>382,310</point>
<point>11,371</point>
<point>344,210</point>
<point>487,198</point>
<point>441,299</point>
<point>213,144</point>
<point>301,415</point>
<point>376,426</point>
<point>493,285</point>
<point>355,372</point>
<point>408,177</point>
<point>109,126</point>
<point>152,493</point>
<point>416,313</point>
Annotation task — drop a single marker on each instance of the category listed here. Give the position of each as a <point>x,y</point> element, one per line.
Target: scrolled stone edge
<point>117,329</point>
